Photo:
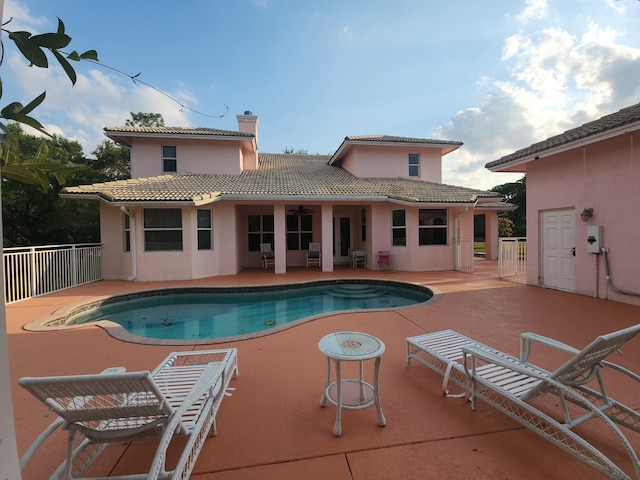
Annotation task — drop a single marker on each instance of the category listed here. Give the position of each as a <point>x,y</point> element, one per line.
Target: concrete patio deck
<point>273,427</point>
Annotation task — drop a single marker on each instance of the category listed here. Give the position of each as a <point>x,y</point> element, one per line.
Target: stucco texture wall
<point>604,176</point>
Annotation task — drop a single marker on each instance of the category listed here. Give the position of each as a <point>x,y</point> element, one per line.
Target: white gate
<point>512,258</point>
<point>464,254</point>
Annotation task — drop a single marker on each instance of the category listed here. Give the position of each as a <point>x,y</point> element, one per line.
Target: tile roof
<point>279,175</point>
<point>195,131</point>
<point>394,139</point>
<point>608,122</point>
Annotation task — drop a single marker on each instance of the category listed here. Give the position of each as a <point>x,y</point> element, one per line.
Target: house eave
<point>445,148</point>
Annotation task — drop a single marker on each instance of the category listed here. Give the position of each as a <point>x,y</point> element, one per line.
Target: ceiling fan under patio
<point>300,211</point>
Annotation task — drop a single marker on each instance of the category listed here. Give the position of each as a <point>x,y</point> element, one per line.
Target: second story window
<point>398,228</point>
<point>169,159</point>
<point>414,165</point>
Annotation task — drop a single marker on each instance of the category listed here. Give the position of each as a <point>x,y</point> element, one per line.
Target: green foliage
<point>292,151</point>
<point>516,193</point>
<point>505,227</point>
<point>34,48</point>
<point>32,211</point>
<point>141,119</point>
<point>29,166</point>
<point>111,163</point>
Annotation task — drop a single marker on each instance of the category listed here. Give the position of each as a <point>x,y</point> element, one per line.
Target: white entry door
<point>558,249</point>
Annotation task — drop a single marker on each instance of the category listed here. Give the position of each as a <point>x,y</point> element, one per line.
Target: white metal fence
<point>33,271</point>
<point>464,254</point>
<point>512,258</point>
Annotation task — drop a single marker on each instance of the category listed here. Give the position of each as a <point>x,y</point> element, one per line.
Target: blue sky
<point>496,75</point>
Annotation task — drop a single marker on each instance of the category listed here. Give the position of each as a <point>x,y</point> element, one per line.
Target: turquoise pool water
<point>203,313</point>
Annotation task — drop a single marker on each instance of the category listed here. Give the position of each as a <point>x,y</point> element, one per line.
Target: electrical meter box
<point>594,238</point>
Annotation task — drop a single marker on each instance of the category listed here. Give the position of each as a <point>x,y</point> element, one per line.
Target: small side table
<point>351,394</point>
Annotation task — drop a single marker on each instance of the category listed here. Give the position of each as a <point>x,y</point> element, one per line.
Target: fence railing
<point>33,271</point>
<point>464,254</point>
<point>512,258</point>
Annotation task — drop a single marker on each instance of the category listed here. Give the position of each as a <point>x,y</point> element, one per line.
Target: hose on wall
<point>608,277</point>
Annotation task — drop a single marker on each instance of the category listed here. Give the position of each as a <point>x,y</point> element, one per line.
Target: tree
<point>111,163</point>
<point>516,193</point>
<point>141,119</point>
<point>33,211</point>
<point>505,227</point>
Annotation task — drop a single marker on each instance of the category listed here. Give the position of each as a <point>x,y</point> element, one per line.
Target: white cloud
<point>95,101</point>
<point>535,9</point>
<point>556,81</point>
<point>21,18</point>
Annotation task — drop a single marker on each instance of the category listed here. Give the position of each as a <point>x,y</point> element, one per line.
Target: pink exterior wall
<point>392,162</point>
<point>606,177</point>
<point>194,156</point>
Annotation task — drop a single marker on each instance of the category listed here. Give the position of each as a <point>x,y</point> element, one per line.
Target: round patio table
<point>351,394</point>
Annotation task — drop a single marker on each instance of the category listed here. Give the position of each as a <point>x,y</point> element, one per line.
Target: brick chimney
<point>248,123</point>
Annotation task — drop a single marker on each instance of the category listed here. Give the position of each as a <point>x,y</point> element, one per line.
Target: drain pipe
<point>132,242</point>
<point>608,276</point>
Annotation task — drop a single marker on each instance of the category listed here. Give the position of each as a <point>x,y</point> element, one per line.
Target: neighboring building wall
<point>606,177</point>
<point>193,156</point>
<point>393,162</point>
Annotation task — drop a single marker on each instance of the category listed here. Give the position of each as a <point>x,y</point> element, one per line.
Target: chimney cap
<point>248,112</point>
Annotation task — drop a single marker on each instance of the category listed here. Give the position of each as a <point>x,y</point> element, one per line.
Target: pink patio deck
<point>273,427</point>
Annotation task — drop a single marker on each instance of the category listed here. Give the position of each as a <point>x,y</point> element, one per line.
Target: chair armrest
<point>528,339</point>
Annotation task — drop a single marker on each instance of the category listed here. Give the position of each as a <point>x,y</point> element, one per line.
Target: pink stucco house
<point>583,194</point>
<point>201,201</point>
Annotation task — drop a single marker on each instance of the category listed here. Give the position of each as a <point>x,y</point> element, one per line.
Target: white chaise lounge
<point>510,384</point>
<point>180,397</point>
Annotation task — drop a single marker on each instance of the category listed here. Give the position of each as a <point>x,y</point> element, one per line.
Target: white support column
<point>280,240</point>
<point>327,237</point>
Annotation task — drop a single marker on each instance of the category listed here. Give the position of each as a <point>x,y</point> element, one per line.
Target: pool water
<point>195,316</point>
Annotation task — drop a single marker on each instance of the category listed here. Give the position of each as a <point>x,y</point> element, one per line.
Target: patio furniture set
<point>183,394</point>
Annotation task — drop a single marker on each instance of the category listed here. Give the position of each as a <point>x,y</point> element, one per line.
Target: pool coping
<point>56,321</point>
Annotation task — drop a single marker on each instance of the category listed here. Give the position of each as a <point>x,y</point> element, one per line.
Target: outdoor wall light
<point>586,214</point>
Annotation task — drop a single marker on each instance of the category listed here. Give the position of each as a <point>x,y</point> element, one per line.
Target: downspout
<point>608,276</point>
<point>132,242</point>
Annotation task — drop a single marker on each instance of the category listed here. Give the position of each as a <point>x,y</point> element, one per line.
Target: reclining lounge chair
<point>510,384</point>
<point>180,397</point>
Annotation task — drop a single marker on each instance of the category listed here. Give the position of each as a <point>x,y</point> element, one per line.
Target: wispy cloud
<point>534,10</point>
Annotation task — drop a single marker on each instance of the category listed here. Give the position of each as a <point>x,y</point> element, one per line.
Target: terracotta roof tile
<point>279,175</point>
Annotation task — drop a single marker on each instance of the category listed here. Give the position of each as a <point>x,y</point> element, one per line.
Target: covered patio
<point>273,427</point>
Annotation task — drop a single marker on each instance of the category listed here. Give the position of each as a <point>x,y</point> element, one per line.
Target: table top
<point>351,346</point>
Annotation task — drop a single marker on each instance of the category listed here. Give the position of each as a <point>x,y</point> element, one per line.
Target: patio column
<point>491,235</point>
<point>326,218</point>
<point>280,238</point>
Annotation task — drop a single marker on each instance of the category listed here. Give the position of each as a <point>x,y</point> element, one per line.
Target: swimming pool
<point>204,314</point>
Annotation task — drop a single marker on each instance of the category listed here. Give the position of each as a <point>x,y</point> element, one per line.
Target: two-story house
<point>201,201</point>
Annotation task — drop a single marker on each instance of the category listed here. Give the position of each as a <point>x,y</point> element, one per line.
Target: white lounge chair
<point>179,398</point>
<point>510,384</point>
<point>314,257</point>
<point>268,259</point>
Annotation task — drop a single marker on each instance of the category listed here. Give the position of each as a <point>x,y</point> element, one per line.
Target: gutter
<point>132,242</point>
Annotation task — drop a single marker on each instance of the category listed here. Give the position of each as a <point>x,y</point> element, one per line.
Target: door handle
<point>573,251</point>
